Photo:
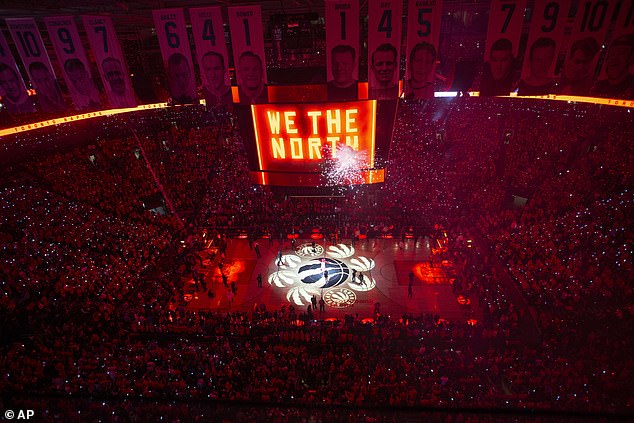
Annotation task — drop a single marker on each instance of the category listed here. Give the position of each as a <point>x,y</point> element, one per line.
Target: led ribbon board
<point>299,138</point>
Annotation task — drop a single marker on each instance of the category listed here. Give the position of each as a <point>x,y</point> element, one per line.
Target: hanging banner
<point>384,46</point>
<point>110,62</point>
<point>502,44</point>
<point>211,54</point>
<point>544,43</point>
<point>247,40</point>
<point>617,74</point>
<point>582,54</point>
<point>342,49</point>
<point>30,46</point>
<point>177,59</point>
<point>71,55</point>
<point>423,35</point>
<point>12,88</point>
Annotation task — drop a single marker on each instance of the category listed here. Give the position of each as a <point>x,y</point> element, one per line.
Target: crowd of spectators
<point>90,274</point>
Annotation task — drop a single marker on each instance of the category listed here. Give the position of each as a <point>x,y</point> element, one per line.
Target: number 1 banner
<point>177,59</point>
<point>384,44</point>
<point>423,35</point>
<point>12,88</point>
<point>211,54</point>
<point>29,43</point>
<point>502,45</point>
<point>71,56</point>
<point>247,40</point>
<point>342,49</point>
<point>110,62</point>
<point>544,43</point>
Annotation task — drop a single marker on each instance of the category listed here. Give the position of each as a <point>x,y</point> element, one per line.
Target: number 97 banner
<point>177,59</point>
<point>110,62</point>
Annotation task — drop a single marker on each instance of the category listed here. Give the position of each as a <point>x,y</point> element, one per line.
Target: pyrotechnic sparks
<point>345,167</point>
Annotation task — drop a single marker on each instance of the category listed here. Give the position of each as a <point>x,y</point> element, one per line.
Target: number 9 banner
<point>112,67</point>
<point>177,59</point>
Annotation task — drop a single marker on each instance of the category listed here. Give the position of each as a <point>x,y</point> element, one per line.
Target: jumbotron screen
<point>318,144</point>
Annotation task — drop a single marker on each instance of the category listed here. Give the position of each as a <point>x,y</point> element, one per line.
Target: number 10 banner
<point>177,58</point>
<point>112,67</point>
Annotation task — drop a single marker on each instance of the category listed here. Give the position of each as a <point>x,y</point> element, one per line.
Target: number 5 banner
<point>12,89</point>
<point>211,54</point>
<point>384,43</point>
<point>247,39</point>
<point>423,35</point>
<point>112,67</point>
<point>72,59</point>
<point>177,58</point>
<point>342,49</point>
<point>29,43</point>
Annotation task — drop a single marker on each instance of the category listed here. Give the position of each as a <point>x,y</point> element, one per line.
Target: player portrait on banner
<point>86,95</point>
<point>384,66</point>
<point>251,86</point>
<point>114,75</point>
<point>343,86</point>
<point>619,81</point>
<point>578,73</point>
<point>541,55</point>
<point>420,84</point>
<point>215,91</point>
<point>179,77</point>
<point>49,95</point>
<point>498,76</point>
<point>14,95</point>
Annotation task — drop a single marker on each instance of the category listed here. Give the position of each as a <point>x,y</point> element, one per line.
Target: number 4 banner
<point>112,67</point>
<point>384,43</point>
<point>177,59</point>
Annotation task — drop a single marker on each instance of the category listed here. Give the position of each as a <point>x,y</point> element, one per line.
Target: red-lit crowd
<point>92,258</point>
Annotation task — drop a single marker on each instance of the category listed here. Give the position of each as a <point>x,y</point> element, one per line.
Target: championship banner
<point>71,55</point>
<point>12,88</point>
<point>177,59</point>
<point>342,49</point>
<point>617,76</point>
<point>544,43</point>
<point>582,54</point>
<point>247,40</point>
<point>423,35</point>
<point>211,54</point>
<point>28,41</point>
<point>384,43</point>
<point>110,62</point>
<point>302,137</point>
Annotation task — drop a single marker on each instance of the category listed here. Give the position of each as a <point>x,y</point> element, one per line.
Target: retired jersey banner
<point>342,49</point>
<point>582,54</point>
<point>12,88</point>
<point>71,56</point>
<point>177,58</point>
<point>299,137</point>
<point>110,62</point>
<point>384,44</point>
<point>423,36</point>
<point>211,54</point>
<point>505,22</point>
<point>28,41</point>
<point>247,40</point>
<point>544,43</point>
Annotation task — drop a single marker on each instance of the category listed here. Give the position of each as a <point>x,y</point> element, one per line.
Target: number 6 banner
<point>384,43</point>
<point>211,54</point>
<point>112,67</point>
<point>29,43</point>
<point>247,39</point>
<point>72,58</point>
<point>423,35</point>
<point>177,58</point>
<point>342,49</point>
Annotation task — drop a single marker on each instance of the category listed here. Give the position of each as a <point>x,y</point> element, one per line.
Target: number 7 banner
<point>112,67</point>
<point>384,43</point>
<point>177,58</point>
